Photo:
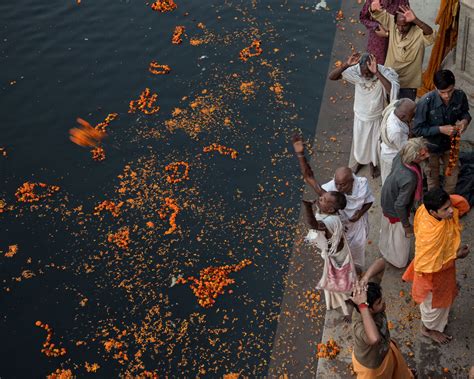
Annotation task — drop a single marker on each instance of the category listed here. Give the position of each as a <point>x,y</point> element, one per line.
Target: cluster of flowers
<point>61,374</point>
<point>86,135</point>
<point>121,238</point>
<point>48,348</point>
<point>26,192</point>
<point>174,169</point>
<point>178,32</point>
<point>98,154</point>
<point>146,103</point>
<point>453,153</point>
<point>328,350</point>
<point>252,51</point>
<point>159,69</point>
<point>102,127</point>
<point>108,206</point>
<point>224,150</point>
<point>212,281</point>
<point>170,205</point>
<point>12,250</point>
<point>163,6</point>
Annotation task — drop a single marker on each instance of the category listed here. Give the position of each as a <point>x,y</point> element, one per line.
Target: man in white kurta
<point>394,132</point>
<point>375,86</point>
<point>359,199</point>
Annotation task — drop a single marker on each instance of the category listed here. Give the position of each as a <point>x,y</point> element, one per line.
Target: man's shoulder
<point>459,94</point>
<point>428,98</point>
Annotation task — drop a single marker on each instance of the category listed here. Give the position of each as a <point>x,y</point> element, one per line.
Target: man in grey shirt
<point>400,190</point>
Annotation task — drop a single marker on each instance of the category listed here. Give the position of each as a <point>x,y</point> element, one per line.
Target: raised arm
<point>375,269</point>
<point>308,174</point>
<point>365,17</point>
<point>373,68</point>
<point>359,296</point>
<point>411,17</point>
<point>336,74</point>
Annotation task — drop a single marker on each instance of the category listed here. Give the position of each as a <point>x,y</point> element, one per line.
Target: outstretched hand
<point>406,12</point>
<point>298,145</point>
<point>353,59</point>
<point>372,64</point>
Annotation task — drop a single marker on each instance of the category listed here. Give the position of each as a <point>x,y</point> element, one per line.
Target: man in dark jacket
<point>400,190</point>
<point>440,114</point>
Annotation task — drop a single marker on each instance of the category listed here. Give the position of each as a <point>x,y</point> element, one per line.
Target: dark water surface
<point>114,306</point>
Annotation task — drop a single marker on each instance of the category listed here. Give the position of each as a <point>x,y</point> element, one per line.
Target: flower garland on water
<point>453,153</point>
<point>252,51</point>
<point>328,350</point>
<point>146,103</point>
<point>159,69</point>
<point>212,281</point>
<point>224,150</point>
<point>48,348</point>
<point>163,212</point>
<point>120,238</point>
<point>164,6</point>
<point>98,154</point>
<point>26,193</point>
<point>178,32</point>
<point>109,206</point>
<point>175,169</point>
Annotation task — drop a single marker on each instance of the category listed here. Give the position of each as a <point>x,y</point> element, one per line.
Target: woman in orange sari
<point>433,271</point>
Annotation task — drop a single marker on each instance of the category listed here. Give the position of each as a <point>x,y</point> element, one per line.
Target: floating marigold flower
<point>164,6</point>
<point>86,135</point>
<point>178,32</point>
<point>455,140</point>
<point>177,172</point>
<point>49,348</point>
<point>328,350</point>
<point>224,150</point>
<point>159,69</point>
<point>120,238</point>
<point>61,373</point>
<point>339,15</point>
<point>252,51</point>
<point>30,192</point>
<point>12,250</point>
<point>195,41</point>
<point>338,64</point>
<point>91,367</point>
<point>108,206</point>
<point>98,154</point>
<point>169,206</point>
<point>146,103</point>
<point>247,88</point>
<point>212,281</point>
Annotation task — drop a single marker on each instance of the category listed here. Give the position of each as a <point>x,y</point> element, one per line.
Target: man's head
<point>405,110</point>
<point>344,180</point>
<point>414,151</point>
<point>403,26</point>
<point>444,82</point>
<point>374,298</point>
<point>438,203</point>
<point>331,202</point>
<point>364,66</point>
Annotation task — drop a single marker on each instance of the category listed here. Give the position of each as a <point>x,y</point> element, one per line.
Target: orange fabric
<point>442,284</point>
<point>446,38</point>
<point>436,241</point>
<point>393,366</point>
<point>460,203</point>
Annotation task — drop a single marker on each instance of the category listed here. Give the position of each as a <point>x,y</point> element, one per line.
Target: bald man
<point>359,199</point>
<point>394,132</point>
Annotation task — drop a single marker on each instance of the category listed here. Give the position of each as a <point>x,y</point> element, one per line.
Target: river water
<point>115,309</point>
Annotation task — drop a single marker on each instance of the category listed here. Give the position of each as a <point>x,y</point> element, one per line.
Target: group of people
<point>404,141</point>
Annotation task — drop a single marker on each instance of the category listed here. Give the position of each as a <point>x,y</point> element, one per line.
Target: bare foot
<point>347,319</point>
<point>356,168</point>
<point>414,372</point>
<point>374,171</point>
<point>436,336</point>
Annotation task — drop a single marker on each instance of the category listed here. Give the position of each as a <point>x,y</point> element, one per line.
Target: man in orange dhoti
<point>433,271</point>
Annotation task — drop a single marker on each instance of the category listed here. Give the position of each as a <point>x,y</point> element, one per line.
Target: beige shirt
<point>405,54</point>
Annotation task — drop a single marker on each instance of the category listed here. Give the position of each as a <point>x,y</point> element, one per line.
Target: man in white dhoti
<point>354,216</point>
<point>375,86</point>
<point>394,132</point>
<point>358,196</point>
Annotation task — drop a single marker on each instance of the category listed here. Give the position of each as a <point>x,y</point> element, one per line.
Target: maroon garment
<point>378,45</point>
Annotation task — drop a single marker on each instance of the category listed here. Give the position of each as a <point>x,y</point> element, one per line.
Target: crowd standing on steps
<point>409,141</point>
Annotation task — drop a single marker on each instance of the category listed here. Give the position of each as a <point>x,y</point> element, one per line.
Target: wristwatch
<point>363,305</point>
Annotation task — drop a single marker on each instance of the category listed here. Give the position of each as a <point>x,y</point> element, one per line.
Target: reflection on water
<point>169,255</point>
